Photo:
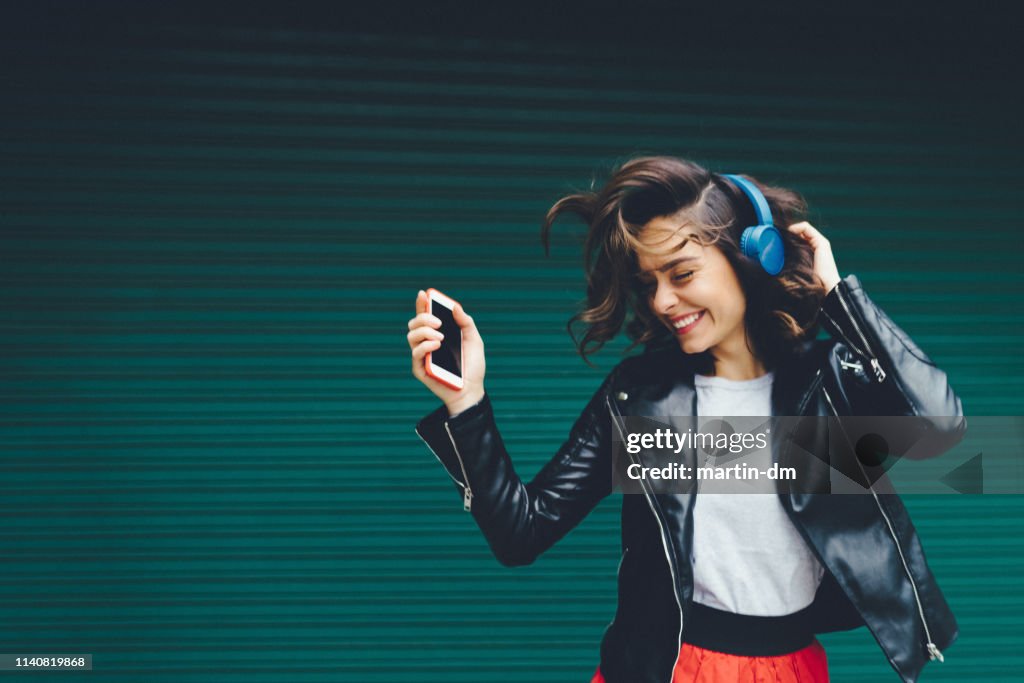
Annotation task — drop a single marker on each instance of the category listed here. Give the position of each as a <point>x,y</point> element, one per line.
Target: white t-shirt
<point>748,558</point>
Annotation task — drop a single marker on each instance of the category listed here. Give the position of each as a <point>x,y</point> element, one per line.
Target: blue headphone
<point>762,241</point>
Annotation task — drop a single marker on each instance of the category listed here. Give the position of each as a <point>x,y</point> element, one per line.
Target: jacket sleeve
<point>522,520</point>
<point>890,375</point>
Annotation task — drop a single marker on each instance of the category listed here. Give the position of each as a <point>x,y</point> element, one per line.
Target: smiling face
<point>693,290</point>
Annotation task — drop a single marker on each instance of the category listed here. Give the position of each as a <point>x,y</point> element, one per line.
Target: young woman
<point>715,587</point>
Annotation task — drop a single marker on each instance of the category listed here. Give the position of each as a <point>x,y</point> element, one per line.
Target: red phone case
<point>442,380</point>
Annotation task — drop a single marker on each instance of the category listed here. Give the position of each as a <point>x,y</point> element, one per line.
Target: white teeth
<point>686,321</point>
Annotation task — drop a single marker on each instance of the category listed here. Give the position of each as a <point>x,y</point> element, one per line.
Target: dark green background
<point>213,229</point>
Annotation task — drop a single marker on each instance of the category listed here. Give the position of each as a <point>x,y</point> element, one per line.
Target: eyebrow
<point>671,264</point>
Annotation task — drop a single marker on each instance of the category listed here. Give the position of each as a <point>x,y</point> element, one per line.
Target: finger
<point>419,370</point>
<point>423,348</point>
<point>803,231</point>
<point>422,302</point>
<point>420,334</point>
<point>813,239</point>
<point>425,319</point>
<point>465,321</point>
<point>807,230</point>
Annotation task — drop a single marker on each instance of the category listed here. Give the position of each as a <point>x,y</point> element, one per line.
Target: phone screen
<point>449,356</point>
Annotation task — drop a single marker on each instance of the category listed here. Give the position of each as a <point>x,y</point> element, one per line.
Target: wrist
<point>831,282</point>
<point>464,402</point>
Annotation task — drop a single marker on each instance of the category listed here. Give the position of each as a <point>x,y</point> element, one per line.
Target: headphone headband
<point>764,214</point>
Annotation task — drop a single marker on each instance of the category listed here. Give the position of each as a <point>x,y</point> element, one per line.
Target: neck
<point>733,360</point>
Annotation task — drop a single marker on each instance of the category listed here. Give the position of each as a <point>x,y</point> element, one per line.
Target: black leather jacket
<point>868,367</point>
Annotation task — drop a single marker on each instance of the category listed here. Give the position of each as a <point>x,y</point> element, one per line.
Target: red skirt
<point>697,665</point>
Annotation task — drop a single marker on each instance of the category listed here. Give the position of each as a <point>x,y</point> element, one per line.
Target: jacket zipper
<point>664,545</point>
<point>933,650</point>
<point>467,497</point>
<point>810,390</point>
<point>879,373</point>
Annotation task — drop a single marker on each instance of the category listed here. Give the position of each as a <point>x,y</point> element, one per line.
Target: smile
<point>687,322</point>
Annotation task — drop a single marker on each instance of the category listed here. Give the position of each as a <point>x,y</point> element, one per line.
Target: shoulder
<point>806,358</point>
<point>813,350</point>
<point>657,366</point>
<point>668,366</point>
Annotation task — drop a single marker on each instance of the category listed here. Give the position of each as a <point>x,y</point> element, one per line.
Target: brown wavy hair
<point>781,310</point>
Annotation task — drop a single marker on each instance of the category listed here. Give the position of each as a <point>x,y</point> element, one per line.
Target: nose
<point>664,299</point>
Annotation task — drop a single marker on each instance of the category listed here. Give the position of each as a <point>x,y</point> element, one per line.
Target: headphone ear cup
<point>764,243</point>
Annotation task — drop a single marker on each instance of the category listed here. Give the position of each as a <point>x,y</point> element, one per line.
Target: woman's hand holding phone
<point>425,336</point>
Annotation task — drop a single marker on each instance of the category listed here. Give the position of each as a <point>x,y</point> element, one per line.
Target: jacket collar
<point>661,383</point>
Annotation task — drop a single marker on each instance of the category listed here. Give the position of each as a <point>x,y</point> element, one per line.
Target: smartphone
<point>445,364</point>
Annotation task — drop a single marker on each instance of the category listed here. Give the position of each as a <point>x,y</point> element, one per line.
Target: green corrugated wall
<point>211,243</point>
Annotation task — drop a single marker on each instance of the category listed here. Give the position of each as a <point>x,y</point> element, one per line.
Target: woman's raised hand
<point>824,262</point>
<point>425,336</point>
